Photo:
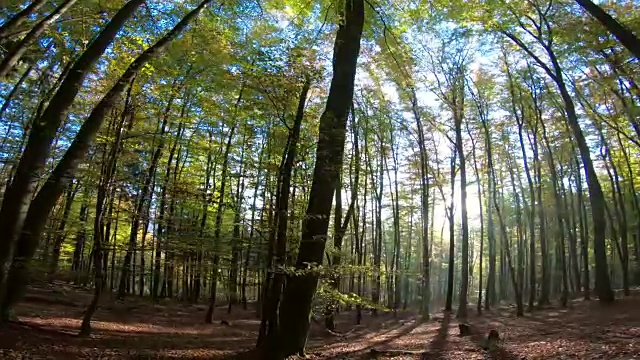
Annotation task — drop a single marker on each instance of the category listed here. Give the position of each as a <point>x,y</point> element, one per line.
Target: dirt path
<point>141,330</point>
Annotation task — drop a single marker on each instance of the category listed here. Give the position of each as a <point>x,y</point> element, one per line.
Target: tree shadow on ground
<point>401,331</point>
<point>438,344</point>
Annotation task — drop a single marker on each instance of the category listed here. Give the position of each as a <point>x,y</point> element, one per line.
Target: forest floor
<point>48,321</point>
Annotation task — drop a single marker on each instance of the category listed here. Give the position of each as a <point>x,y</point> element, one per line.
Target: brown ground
<point>141,330</point>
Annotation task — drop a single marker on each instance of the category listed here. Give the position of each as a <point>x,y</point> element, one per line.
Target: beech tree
<point>320,162</point>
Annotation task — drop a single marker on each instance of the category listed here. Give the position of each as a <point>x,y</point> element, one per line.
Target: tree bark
<point>621,32</point>
<point>15,204</point>
<point>12,24</point>
<point>213,287</point>
<point>57,181</point>
<point>299,290</point>
<point>603,284</point>
<point>15,53</point>
<point>278,262</point>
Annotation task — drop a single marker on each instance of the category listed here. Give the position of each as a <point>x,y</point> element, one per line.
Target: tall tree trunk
<point>145,194</point>
<point>235,246</point>
<point>459,114</point>
<point>424,206</point>
<point>12,24</point>
<point>15,204</point>
<point>105,187</point>
<point>560,215</point>
<point>253,226</point>
<point>519,113</point>
<point>213,287</point>
<point>603,285</point>
<point>161,227</point>
<point>621,32</point>
<point>507,251</point>
<point>299,290</point>
<point>340,225</point>
<point>481,209</point>
<point>15,53</point>
<point>450,217</point>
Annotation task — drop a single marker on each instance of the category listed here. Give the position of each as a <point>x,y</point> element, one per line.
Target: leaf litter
<point>140,329</point>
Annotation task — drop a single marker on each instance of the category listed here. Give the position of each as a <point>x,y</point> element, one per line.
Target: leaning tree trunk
<point>621,32</point>
<point>18,50</point>
<point>12,24</point>
<point>57,181</point>
<point>603,283</point>
<point>299,290</point>
<point>15,204</point>
<point>278,261</point>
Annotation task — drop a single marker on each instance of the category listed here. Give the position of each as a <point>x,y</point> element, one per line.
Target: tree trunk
<point>15,204</point>
<point>507,252</point>
<point>278,262</point>
<point>15,53</point>
<point>340,225</point>
<point>603,285</point>
<point>208,319</point>
<point>57,181</point>
<point>621,32</point>
<point>459,114</point>
<point>424,206</point>
<point>299,290</point>
<point>144,196</point>
<point>61,235</point>
<point>560,217</point>
<point>235,246</point>
<point>450,217</point>
<point>12,24</point>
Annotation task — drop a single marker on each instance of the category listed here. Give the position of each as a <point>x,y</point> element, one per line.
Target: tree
<point>299,291</point>
<point>621,32</point>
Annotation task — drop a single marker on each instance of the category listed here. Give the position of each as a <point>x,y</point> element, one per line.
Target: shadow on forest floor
<point>139,329</point>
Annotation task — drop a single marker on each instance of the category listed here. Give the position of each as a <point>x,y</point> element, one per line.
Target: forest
<point>328,179</point>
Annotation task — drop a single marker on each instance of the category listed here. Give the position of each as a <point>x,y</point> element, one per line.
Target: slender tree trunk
<point>459,114</point>
<point>450,216</point>
<point>208,319</point>
<point>481,208</point>
<point>144,197</point>
<point>235,246</point>
<point>507,252</point>
<point>603,285</point>
<point>341,225</point>
<point>161,227</point>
